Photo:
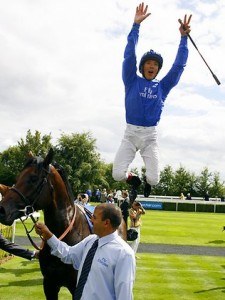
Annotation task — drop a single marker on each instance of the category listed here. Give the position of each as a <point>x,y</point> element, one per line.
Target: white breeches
<point>143,139</point>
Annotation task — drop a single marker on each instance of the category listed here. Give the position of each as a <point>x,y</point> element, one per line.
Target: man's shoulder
<point>124,246</point>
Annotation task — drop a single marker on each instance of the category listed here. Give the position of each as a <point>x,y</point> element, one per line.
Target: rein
<point>69,228</point>
<point>28,233</point>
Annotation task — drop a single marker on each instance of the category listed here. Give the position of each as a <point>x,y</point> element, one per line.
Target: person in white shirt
<point>112,273</point>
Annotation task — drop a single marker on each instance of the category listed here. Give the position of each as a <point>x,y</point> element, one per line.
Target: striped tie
<point>85,270</point>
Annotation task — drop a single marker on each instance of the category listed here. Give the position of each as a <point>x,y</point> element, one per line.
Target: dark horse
<point>41,186</point>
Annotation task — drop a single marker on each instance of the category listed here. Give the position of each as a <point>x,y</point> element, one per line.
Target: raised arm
<point>141,13</point>
<point>185,27</point>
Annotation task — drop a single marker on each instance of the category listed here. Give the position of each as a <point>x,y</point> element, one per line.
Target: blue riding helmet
<point>151,55</point>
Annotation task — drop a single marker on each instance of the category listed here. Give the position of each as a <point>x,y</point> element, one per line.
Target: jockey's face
<point>150,69</point>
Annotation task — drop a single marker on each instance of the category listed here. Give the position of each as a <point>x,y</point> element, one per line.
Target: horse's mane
<point>64,177</point>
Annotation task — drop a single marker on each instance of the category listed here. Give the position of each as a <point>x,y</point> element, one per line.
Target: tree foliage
<point>78,155</point>
<point>12,160</point>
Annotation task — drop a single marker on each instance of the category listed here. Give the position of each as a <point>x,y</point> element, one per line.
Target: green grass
<point>183,228</point>
<point>22,280</point>
<point>158,276</point>
<point>175,277</point>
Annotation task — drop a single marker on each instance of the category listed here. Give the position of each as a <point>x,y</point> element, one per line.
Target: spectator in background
<point>78,199</point>
<point>103,196</point>
<point>82,199</point>
<point>135,214</point>
<point>97,195</point>
<point>89,193</point>
<point>119,196</point>
<point>110,198</point>
<point>188,197</point>
<point>182,196</point>
<point>206,197</point>
<point>124,206</point>
<point>115,196</point>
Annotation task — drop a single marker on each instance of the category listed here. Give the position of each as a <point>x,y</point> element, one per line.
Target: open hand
<point>141,13</point>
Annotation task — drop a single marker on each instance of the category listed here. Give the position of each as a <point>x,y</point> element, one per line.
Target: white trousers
<point>143,139</point>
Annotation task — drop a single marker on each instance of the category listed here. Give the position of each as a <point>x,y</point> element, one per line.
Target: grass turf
<point>183,228</point>
<point>158,276</point>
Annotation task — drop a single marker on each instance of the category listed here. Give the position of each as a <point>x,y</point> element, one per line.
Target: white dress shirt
<point>113,268</point>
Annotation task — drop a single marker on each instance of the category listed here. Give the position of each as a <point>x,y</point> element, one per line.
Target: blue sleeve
<point>130,61</point>
<point>173,76</point>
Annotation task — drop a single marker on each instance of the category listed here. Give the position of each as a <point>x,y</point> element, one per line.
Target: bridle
<point>32,200</point>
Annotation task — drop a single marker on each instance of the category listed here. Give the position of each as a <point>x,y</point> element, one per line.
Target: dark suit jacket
<point>15,249</point>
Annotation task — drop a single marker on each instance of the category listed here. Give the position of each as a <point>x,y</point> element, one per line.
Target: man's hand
<point>141,13</point>
<point>43,231</point>
<point>36,254</point>
<point>185,28</point>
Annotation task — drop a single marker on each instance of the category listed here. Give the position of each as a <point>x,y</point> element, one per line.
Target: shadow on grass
<point>222,288</point>
<point>20,271</point>
<point>24,283</point>
<point>217,242</point>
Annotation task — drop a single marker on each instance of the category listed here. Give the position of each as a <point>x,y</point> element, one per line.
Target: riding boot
<point>147,188</point>
<point>132,195</point>
<point>135,182</point>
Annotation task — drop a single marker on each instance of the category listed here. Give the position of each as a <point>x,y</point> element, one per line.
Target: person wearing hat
<point>144,101</point>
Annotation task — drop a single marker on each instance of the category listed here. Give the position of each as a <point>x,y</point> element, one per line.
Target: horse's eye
<point>33,178</point>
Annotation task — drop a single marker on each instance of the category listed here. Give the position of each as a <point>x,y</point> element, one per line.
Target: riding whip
<point>214,76</point>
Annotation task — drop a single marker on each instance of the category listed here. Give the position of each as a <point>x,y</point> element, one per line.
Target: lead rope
<point>70,226</point>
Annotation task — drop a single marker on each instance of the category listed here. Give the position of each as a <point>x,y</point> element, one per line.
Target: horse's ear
<point>49,157</point>
<point>30,154</point>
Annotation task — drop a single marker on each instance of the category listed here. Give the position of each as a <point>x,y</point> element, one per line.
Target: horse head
<point>32,189</point>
